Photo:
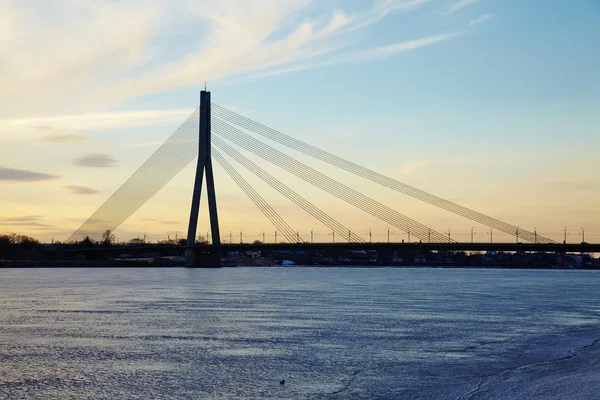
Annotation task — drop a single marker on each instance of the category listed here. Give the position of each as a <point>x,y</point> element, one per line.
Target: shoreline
<point>152,264</point>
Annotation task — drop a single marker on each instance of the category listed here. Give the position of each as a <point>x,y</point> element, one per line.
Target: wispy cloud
<point>160,222</point>
<point>30,221</point>
<point>26,218</point>
<point>363,55</point>
<point>80,189</point>
<point>155,143</point>
<point>241,41</point>
<point>66,129</point>
<point>481,19</point>
<point>570,185</point>
<point>95,161</point>
<point>57,125</point>
<point>49,134</point>
<point>143,48</point>
<point>459,5</point>
<point>22,175</point>
<point>64,138</point>
<point>414,167</point>
<point>395,48</point>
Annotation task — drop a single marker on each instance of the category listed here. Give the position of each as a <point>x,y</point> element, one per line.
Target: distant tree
<point>136,241</point>
<point>12,243</point>
<point>86,242</point>
<point>108,237</point>
<point>257,242</point>
<point>27,241</point>
<point>5,244</point>
<point>182,242</point>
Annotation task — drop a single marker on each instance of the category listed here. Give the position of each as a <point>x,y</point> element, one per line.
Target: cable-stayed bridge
<point>213,132</point>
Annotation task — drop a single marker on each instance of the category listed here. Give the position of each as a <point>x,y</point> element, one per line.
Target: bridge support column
<point>204,165</point>
<point>204,257</point>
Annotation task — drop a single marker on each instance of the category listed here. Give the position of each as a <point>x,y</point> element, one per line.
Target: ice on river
<point>332,333</point>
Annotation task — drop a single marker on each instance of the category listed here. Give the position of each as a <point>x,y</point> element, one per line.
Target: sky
<point>492,104</point>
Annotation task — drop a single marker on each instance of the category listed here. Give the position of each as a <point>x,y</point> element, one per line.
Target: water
<point>332,333</point>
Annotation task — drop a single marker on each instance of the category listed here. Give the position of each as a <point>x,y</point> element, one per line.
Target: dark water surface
<point>332,333</point>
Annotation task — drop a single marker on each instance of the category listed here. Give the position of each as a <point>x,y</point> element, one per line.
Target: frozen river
<point>331,333</point>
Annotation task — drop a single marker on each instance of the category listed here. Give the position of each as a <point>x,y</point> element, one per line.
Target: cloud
<point>388,50</point>
<point>80,189</point>
<point>27,221</point>
<point>381,10</point>
<point>160,222</point>
<point>95,161</point>
<point>49,134</point>
<point>60,129</point>
<point>21,175</point>
<point>107,120</point>
<point>145,48</point>
<point>66,64</point>
<point>156,143</point>
<point>459,5</point>
<point>26,218</point>
<point>64,138</point>
<point>414,167</point>
<point>571,185</point>
<point>481,19</point>
<point>364,55</point>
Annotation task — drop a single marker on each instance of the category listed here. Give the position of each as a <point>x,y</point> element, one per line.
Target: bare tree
<point>108,237</point>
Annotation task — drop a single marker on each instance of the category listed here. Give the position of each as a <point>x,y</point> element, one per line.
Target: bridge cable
<point>352,197</point>
<point>325,183</point>
<point>256,198</point>
<point>142,185</point>
<point>158,170</point>
<point>166,162</point>
<point>166,166</point>
<point>430,235</point>
<point>373,176</point>
<point>300,201</point>
<point>341,191</point>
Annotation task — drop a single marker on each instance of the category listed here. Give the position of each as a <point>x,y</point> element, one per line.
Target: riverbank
<point>166,263</point>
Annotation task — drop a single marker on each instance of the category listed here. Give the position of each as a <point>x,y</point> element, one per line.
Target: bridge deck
<point>479,247</point>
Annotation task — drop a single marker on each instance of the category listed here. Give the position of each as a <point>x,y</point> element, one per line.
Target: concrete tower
<point>204,164</point>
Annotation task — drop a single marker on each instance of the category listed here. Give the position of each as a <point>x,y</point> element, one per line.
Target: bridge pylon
<point>203,166</point>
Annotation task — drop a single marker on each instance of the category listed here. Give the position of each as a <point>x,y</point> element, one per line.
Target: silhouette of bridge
<point>212,132</point>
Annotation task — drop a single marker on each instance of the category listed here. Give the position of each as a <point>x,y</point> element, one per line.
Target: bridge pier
<point>203,258</point>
